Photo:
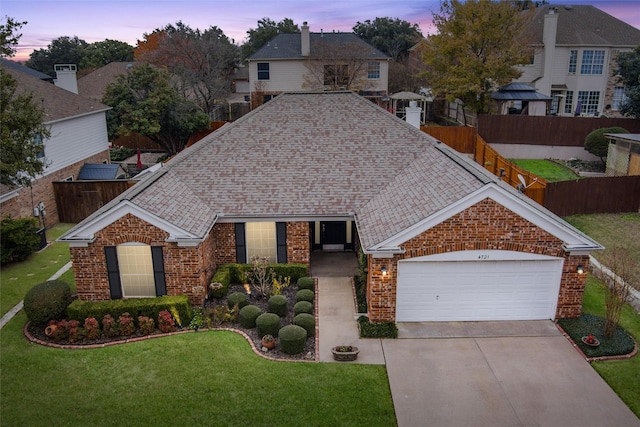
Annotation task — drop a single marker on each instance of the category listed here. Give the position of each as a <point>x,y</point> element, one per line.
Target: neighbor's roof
<point>408,96</point>
<point>289,46</point>
<point>30,71</point>
<point>519,91</point>
<point>94,84</point>
<point>58,103</point>
<point>99,171</point>
<point>587,26</point>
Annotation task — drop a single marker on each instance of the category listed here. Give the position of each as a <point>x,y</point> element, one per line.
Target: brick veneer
<point>42,190</point>
<point>486,225</point>
<point>298,243</point>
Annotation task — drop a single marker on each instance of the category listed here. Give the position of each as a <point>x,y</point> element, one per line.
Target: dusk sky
<point>129,20</point>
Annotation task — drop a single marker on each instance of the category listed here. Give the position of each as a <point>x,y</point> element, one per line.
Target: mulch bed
<point>36,333</point>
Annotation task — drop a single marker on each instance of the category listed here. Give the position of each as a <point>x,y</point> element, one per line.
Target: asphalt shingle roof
<point>97,171</point>
<point>289,46</point>
<point>587,26</point>
<point>95,83</point>
<point>311,155</point>
<point>57,103</point>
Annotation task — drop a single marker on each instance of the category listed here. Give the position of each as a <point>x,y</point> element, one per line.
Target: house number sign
<point>483,256</point>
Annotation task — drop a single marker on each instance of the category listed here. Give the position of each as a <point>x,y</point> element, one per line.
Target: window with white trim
<point>568,102</point>
<point>573,61</point>
<point>373,70</point>
<point>589,101</point>
<point>136,270</point>
<point>37,139</point>
<point>618,98</point>
<point>592,62</point>
<point>261,240</point>
<point>263,71</point>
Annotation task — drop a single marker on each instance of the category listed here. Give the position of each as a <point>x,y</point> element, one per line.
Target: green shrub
<point>302,307</point>
<point>239,298</point>
<point>18,239</point>
<point>360,285</point>
<point>306,321</point>
<point>136,307</point>
<point>268,323</point>
<point>306,283</point>
<point>47,301</point>
<point>278,305</point>
<point>237,273</point>
<point>377,330</point>
<point>305,295</point>
<point>118,154</point>
<point>293,338</point>
<point>598,144</point>
<point>248,315</point>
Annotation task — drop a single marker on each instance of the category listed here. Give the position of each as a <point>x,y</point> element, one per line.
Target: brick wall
<point>486,225</point>
<point>42,190</point>
<point>298,242</point>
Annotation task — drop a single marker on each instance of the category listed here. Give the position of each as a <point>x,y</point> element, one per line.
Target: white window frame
<point>264,74</point>
<point>373,70</point>
<point>592,62</point>
<point>573,61</point>
<point>590,100</point>
<point>618,97</point>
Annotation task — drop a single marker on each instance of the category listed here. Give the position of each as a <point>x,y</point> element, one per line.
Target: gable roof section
<point>586,26</point>
<point>58,104</point>
<point>94,84</point>
<point>306,157</point>
<point>98,171</point>
<point>289,46</point>
<point>29,71</point>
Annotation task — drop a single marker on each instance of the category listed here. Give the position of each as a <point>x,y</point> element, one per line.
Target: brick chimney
<point>305,40</point>
<point>66,77</point>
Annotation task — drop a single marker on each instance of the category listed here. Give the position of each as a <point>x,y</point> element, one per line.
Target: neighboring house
<point>520,98</point>
<point>623,157</point>
<point>444,238</point>
<point>575,59</point>
<point>78,135</point>
<point>94,84</point>
<point>316,61</point>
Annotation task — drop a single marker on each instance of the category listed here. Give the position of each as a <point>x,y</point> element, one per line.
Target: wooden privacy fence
<point>76,200</point>
<point>613,194</point>
<point>460,138</point>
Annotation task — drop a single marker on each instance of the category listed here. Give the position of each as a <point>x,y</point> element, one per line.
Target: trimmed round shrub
<point>292,339</point>
<point>237,298</point>
<point>598,144</point>
<point>305,295</point>
<point>278,305</point>
<point>302,307</point>
<point>47,301</point>
<point>306,283</point>
<point>248,315</point>
<point>306,321</point>
<point>268,323</point>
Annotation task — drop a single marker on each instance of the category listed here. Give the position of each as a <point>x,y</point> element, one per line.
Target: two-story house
<point>306,61</point>
<point>78,129</point>
<point>575,59</point>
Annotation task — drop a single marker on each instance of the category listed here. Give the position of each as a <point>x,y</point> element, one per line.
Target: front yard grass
<point>546,169</point>
<point>202,378</point>
<point>623,376</point>
<point>16,279</point>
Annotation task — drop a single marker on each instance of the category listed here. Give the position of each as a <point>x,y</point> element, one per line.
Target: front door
<point>333,235</point>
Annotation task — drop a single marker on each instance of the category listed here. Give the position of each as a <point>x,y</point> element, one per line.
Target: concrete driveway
<point>472,373</point>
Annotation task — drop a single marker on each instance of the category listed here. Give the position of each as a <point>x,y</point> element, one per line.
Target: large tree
<point>267,29</point>
<point>63,50</point>
<point>392,36</point>
<point>22,128</point>
<point>477,49</point>
<point>629,70</point>
<point>201,63</point>
<point>145,102</point>
<point>99,54</point>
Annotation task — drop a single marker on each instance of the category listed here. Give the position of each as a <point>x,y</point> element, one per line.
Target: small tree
<point>618,282</point>
<point>597,143</point>
<point>261,276</point>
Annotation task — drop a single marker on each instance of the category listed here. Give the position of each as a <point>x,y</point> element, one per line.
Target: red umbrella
<point>139,163</point>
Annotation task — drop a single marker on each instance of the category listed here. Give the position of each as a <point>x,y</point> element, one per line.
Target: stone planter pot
<point>594,343</point>
<point>341,355</point>
<point>269,345</point>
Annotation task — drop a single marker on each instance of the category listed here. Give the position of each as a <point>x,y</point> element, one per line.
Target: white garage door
<point>478,285</point>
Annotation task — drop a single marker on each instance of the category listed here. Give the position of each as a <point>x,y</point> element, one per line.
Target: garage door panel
<point>478,290</point>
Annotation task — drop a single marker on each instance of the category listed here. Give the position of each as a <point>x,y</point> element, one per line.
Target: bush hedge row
<point>377,330</point>
<point>149,307</point>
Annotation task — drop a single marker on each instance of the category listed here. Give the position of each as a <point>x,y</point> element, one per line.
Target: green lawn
<point>623,376</point>
<point>546,169</point>
<point>17,279</point>
<point>204,378</point>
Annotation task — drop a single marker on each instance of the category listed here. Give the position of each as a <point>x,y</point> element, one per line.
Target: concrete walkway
<point>471,373</point>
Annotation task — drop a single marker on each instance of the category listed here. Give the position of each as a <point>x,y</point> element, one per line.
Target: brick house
<point>78,128</point>
<point>444,239</point>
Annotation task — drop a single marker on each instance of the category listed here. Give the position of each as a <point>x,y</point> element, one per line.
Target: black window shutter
<point>113,272</point>
<point>241,244</point>
<point>158,270</point>
<point>281,239</point>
